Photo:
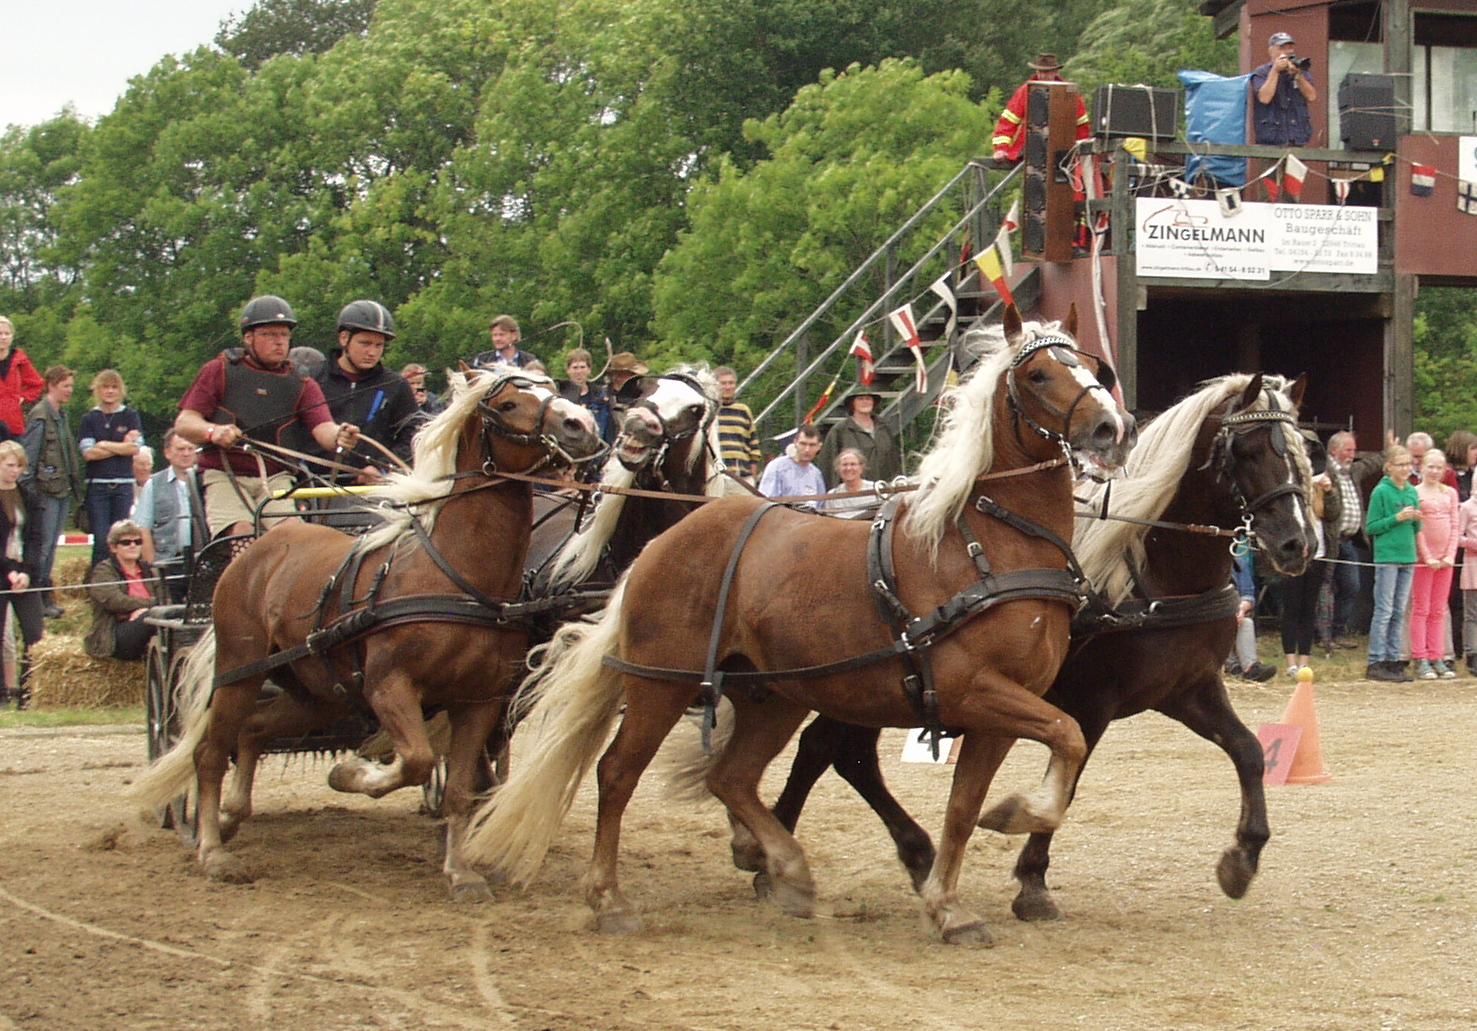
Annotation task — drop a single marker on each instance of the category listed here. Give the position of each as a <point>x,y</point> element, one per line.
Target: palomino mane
<point>1108,549</point>
<point>965,447</point>
<point>433,460</point>
<point>579,557</point>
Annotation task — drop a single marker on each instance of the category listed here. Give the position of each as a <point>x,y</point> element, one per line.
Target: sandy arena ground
<point>1362,917</point>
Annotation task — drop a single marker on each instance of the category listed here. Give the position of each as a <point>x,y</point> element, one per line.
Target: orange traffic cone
<point>1307,764</point>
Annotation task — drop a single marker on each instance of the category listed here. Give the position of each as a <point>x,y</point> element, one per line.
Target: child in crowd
<point>1390,523</point>
<point>1436,544</point>
<point>1467,540</point>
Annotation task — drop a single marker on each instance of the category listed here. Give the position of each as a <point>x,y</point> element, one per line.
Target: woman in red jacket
<point>19,382</point>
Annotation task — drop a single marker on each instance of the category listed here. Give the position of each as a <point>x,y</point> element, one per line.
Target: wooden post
<point>1400,356</point>
<point>1127,331</point>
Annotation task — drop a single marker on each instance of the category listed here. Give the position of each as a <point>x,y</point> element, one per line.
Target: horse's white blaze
<point>1088,381</point>
<point>566,408</point>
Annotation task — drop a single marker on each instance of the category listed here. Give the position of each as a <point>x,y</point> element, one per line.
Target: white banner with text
<point>1195,239</point>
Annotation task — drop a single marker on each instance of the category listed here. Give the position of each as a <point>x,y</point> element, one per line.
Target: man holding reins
<point>254,393</point>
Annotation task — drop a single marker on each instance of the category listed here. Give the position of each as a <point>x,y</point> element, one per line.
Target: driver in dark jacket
<point>360,390</point>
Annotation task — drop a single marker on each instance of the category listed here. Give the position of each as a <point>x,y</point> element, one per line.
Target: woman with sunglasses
<point>122,588</point>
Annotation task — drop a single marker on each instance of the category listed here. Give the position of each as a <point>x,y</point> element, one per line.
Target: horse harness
<point>359,618</point>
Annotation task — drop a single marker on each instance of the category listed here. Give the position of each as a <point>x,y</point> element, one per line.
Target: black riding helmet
<point>367,315</point>
<point>265,310</point>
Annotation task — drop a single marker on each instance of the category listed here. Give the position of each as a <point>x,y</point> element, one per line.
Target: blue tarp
<point>1215,112</point>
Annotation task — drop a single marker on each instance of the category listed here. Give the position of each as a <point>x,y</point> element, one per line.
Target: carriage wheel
<point>157,699</point>
<point>179,814</point>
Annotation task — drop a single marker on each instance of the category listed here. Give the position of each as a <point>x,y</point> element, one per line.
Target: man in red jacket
<point>19,382</point>
<point>1010,131</point>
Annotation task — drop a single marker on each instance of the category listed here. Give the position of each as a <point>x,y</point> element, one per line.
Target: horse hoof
<point>619,922</point>
<point>1036,907</point>
<point>345,776</point>
<point>763,886</point>
<point>229,826</point>
<point>970,935</point>
<point>791,900</point>
<point>470,889</point>
<point>1011,816</point>
<point>1235,872</point>
<point>224,868</point>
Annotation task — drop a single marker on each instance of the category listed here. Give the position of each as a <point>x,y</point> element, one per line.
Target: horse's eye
<point>1037,376</point>
<point>695,409</point>
<point>507,406</point>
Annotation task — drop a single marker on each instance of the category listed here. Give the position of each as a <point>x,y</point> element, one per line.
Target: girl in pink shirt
<point>1435,545</point>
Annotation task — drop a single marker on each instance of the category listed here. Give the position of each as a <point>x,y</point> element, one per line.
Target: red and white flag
<point>1293,174</point>
<point>1341,188</point>
<point>1269,183</point>
<point>902,321</point>
<point>865,370</point>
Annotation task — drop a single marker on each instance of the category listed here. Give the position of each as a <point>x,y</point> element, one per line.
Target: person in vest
<point>1281,93</point>
<point>55,469</point>
<point>170,516</point>
<point>359,389</point>
<point>253,394</point>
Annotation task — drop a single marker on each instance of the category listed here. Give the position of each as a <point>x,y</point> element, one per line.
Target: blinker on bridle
<point>1223,454</point>
<point>493,424</point>
<point>1065,352</point>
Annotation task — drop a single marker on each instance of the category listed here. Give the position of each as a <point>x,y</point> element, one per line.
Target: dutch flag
<point>1423,180</point>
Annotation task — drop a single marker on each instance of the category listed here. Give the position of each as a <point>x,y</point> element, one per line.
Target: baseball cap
<point>1279,39</point>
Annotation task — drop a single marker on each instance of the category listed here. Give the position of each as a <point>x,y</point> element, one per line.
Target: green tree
<point>294,27</point>
<point>1148,41</point>
<point>850,160</point>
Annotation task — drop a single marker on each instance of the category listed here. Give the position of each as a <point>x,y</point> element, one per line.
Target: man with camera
<point>1282,91</point>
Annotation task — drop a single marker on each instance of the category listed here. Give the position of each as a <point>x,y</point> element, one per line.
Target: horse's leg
<point>1207,711</point>
<point>979,756</point>
<point>852,750</point>
<point>472,727</point>
<point>396,703</point>
<point>282,716</point>
<point>230,707</point>
<point>653,708</point>
<point>761,730</point>
<point>1034,902</point>
<point>1013,712</point>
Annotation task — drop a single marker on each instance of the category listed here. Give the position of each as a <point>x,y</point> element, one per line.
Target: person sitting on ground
<point>849,467</point>
<point>21,522</point>
<point>787,477</point>
<point>122,588</point>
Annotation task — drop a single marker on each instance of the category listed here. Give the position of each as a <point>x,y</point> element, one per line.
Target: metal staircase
<point>979,206</point>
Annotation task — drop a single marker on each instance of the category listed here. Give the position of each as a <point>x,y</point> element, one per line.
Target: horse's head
<point>526,426</point>
<point>675,408</point>
<point>1258,458</point>
<point>1063,396</point>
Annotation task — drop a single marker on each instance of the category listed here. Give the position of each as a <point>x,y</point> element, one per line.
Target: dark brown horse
<point>745,587</point>
<point>1228,455</point>
<point>429,588</point>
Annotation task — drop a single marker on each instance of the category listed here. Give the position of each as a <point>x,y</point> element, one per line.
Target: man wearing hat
<point>860,431</point>
<point>1010,131</point>
<point>624,377</point>
<point>1281,93</point>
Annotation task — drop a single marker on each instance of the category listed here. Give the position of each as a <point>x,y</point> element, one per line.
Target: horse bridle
<point>1223,454</point>
<point>493,425</point>
<point>1064,351</point>
<point>710,412</point>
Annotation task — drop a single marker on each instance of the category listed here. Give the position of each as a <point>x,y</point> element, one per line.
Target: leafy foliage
<point>1148,41</point>
<point>293,27</point>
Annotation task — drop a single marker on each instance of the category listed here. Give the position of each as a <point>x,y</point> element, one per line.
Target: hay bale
<point>63,676</point>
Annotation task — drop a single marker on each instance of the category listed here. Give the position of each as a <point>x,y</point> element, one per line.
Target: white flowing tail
<point>572,700</point>
<point>173,773</point>
<point>687,764</point>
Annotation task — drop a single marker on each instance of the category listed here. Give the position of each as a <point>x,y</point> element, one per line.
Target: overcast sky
<point>85,51</point>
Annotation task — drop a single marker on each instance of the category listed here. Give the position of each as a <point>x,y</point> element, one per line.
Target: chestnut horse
<point>1229,454</point>
<point>777,604</point>
<point>368,622</point>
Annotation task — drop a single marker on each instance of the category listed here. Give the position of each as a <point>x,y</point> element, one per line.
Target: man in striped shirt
<point>739,442</point>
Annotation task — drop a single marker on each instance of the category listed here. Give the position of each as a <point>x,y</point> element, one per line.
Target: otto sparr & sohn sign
<point>1195,239</point>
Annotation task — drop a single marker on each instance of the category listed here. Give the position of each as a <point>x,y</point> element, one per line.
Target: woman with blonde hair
<point>20,383</point>
<point>109,436</point>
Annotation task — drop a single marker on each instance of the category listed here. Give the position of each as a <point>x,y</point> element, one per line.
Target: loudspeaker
<point>1367,111</point>
<point>1145,111</point>
<point>1048,213</point>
